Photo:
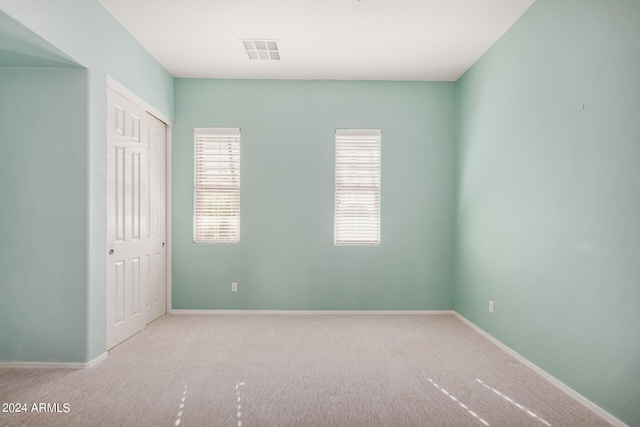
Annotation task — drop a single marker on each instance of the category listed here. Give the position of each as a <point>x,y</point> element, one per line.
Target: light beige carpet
<point>297,370</point>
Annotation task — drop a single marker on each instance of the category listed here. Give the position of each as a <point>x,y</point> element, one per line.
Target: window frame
<point>212,180</point>
<point>357,222</point>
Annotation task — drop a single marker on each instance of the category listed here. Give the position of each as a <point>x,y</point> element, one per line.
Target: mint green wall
<point>286,258</point>
<point>21,47</point>
<point>84,31</point>
<point>43,222</point>
<point>548,209</point>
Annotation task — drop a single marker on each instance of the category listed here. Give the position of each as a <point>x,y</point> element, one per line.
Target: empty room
<point>320,213</point>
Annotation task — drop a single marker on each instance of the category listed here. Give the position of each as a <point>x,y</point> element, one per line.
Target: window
<point>357,197</point>
<point>217,185</point>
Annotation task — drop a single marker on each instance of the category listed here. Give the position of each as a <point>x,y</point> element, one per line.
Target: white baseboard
<point>311,312</point>
<point>553,380</point>
<point>97,360</point>
<point>53,365</point>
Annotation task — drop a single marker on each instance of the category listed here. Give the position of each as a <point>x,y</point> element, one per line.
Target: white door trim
<point>168,191</point>
<point>120,88</point>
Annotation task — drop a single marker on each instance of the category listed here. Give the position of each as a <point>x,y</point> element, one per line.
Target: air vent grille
<point>266,50</point>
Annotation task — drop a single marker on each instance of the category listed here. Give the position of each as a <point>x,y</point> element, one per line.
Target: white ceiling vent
<point>262,49</point>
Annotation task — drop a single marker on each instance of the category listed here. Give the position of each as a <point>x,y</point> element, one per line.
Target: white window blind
<point>357,192</point>
<point>217,185</point>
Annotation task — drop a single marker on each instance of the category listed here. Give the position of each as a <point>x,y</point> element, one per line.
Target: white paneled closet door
<point>155,304</point>
<point>136,224</point>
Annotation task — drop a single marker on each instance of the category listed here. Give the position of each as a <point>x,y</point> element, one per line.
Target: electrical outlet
<point>490,306</point>
<point>234,287</point>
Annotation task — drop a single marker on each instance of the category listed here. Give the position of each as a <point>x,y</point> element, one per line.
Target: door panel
<point>156,295</point>
<point>135,219</point>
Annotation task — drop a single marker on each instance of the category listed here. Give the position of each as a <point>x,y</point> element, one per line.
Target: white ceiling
<point>319,39</point>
